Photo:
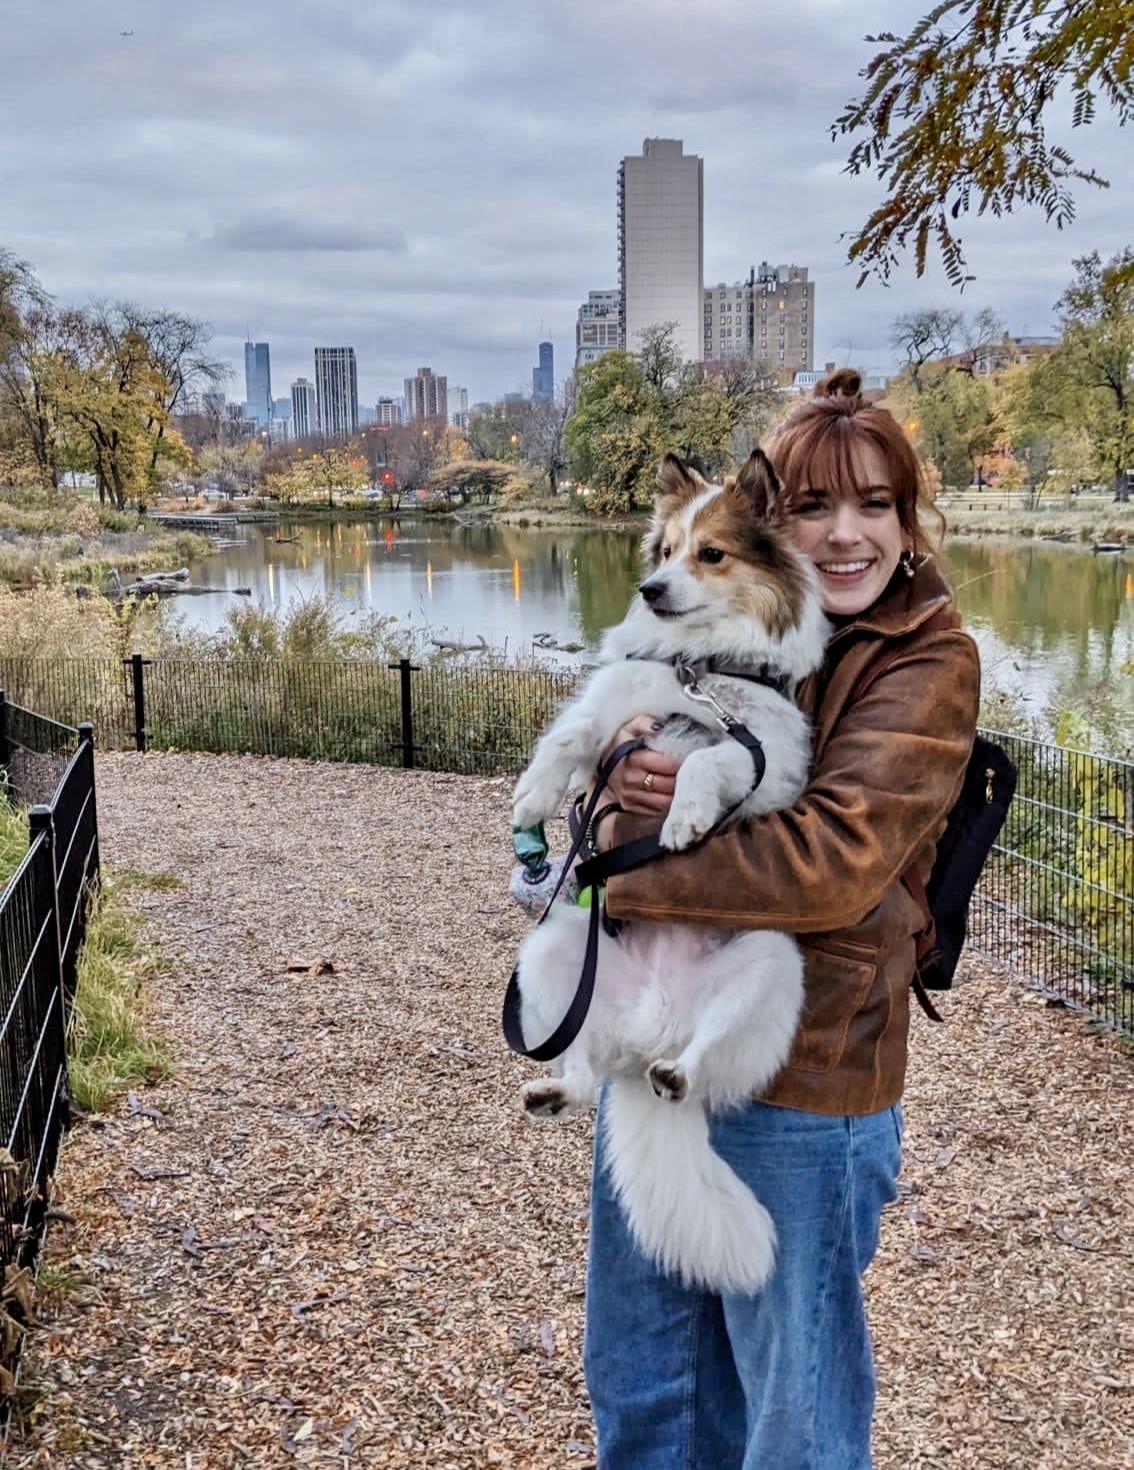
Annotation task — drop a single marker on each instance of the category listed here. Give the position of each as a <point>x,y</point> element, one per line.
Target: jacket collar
<point>905,605</point>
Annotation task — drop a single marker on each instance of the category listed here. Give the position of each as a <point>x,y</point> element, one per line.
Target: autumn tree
<point>1096,359</point>
<point>952,119</point>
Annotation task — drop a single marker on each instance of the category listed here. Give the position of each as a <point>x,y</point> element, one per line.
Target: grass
<point>109,1049</point>
<point>13,838</point>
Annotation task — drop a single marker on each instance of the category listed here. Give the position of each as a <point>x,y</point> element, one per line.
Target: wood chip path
<point>333,1239</point>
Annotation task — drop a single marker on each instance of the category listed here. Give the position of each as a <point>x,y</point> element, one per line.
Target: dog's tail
<point>687,1209</point>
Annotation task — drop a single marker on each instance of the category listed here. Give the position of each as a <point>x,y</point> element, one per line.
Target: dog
<point>686,1021</point>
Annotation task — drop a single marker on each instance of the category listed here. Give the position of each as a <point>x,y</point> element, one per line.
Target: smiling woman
<point>784,1376</point>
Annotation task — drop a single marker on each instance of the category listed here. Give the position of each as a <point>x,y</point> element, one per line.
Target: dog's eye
<point>711,554</point>
<point>665,553</point>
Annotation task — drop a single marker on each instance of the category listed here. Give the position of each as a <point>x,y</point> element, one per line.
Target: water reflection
<point>1055,623</point>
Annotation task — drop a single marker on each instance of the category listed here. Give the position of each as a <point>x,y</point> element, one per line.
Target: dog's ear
<point>676,483</point>
<point>676,480</point>
<point>759,485</point>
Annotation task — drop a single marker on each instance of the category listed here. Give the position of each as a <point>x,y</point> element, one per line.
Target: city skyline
<point>184,166</point>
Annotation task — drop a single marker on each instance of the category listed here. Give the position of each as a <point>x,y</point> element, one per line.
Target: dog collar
<point>766,674</point>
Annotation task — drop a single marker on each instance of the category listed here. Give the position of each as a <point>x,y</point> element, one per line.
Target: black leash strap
<point>592,874</point>
<point>571,1024</point>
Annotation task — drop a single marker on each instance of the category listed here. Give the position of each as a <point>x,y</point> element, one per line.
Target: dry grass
<point>333,1240</point>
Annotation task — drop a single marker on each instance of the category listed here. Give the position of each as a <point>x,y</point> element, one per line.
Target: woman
<point>784,1380</point>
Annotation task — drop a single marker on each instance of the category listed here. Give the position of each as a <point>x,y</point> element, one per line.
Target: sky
<point>434,184</point>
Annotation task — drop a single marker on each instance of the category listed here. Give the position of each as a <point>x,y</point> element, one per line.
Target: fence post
<point>41,818</point>
<point>86,737</point>
<point>406,669</point>
<point>5,744</point>
<point>137,664</point>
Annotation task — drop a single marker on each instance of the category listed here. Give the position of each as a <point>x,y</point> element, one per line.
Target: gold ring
<point>648,780</point>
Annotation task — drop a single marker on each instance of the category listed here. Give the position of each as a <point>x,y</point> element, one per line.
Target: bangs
<point>819,454</point>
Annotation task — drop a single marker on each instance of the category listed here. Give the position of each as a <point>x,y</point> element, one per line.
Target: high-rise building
<point>304,409</point>
<point>387,412</point>
<point>599,326</point>
<point>768,318</point>
<point>427,396</point>
<point>336,386</point>
<point>661,243</point>
<point>543,377</point>
<point>457,407</point>
<point>258,382</point>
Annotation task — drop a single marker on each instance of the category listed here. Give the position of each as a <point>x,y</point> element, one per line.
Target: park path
<point>332,1239</point>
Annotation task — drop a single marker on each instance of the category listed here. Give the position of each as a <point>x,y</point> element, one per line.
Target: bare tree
<point>925,336</point>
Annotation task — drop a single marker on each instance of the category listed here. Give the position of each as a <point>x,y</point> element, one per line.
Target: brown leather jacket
<point>894,713</point>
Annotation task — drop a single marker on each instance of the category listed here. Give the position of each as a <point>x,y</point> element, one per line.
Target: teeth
<point>844,567</point>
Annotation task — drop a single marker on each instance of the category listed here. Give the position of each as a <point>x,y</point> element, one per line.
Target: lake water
<point>1055,623</point>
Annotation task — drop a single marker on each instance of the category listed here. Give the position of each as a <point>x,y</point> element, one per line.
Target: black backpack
<point>972,827</point>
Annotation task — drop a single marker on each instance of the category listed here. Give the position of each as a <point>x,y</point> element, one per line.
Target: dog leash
<point>596,870</point>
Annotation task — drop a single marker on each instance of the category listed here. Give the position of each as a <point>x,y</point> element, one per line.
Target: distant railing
<point>43,911</point>
<point>1056,903</point>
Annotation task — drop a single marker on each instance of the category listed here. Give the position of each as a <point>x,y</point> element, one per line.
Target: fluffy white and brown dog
<point>686,1021</point>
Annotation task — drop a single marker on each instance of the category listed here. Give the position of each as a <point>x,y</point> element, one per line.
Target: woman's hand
<point>642,783</point>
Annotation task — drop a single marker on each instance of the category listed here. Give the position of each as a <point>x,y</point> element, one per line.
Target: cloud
<point>276,232</point>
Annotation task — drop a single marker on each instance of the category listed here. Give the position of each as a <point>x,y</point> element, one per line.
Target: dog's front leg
<point>709,784</point>
<point>573,743</point>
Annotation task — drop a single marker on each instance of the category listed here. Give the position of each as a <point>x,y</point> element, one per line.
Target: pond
<point>1055,623</point>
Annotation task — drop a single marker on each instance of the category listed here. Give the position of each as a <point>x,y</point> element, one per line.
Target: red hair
<point>815,446</point>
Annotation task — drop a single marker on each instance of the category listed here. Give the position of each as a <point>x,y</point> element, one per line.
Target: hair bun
<point>845,383</point>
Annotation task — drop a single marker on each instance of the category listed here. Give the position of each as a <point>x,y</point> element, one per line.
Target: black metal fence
<point>48,768</point>
<point>1056,903</point>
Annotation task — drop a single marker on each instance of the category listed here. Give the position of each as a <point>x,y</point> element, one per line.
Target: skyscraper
<point>336,386</point>
<point>661,243</point>
<point>427,396</point>
<point>258,382</point>
<point>304,409</point>
<point>768,318</point>
<point>543,377</point>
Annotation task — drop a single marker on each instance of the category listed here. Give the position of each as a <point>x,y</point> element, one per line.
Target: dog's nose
<point>652,591</point>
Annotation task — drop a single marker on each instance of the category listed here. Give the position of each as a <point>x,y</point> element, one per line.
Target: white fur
<point>686,1021</point>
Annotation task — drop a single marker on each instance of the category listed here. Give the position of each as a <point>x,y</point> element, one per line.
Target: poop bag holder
<point>535,876</point>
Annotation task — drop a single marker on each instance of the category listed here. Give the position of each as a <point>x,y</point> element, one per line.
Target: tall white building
<point>599,326</point>
<point>304,409</point>
<point>661,243</point>
<point>458,407</point>
<point>336,387</point>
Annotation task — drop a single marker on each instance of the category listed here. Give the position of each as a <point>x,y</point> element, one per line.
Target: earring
<point>906,562</point>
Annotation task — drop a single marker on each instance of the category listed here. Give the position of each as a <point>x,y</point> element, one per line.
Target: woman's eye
<point>711,554</point>
<point>878,502</point>
<point>808,508</point>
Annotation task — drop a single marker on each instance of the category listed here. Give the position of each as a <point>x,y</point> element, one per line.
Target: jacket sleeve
<point>887,776</point>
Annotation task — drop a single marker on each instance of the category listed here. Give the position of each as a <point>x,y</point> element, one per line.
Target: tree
<point>952,119</point>
<point>110,393</point>
<point>925,336</point>
<point>542,443</point>
<point>176,346</point>
<point>1096,357</point>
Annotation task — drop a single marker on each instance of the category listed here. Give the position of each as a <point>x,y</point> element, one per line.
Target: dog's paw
<point>668,1079</point>
<point>534,800</point>
<point>545,1097</point>
<point>688,821</point>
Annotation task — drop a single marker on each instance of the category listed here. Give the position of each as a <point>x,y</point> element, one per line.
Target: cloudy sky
<point>435,183</point>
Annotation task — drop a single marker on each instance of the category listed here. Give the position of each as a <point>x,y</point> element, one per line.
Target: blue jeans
<point>684,1379</point>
